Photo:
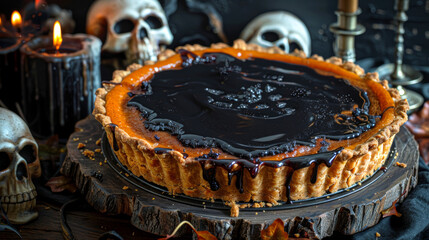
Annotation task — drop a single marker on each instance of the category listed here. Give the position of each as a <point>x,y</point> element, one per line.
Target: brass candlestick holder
<point>345,30</point>
<point>397,73</point>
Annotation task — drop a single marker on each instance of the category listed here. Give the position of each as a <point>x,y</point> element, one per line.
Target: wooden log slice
<point>114,191</point>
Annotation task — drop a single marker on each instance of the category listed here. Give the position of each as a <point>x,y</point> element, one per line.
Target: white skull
<point>19,161</point>
<point>281,29</point>
<point>136,27</point>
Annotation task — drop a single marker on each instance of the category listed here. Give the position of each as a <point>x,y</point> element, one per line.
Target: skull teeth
<point>19,198</point>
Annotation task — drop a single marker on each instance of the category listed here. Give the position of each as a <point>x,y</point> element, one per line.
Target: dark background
<point>377,42</point>
<point>373,48</point>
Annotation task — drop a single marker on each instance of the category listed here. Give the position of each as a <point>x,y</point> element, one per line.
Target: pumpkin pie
<point>249,124</point>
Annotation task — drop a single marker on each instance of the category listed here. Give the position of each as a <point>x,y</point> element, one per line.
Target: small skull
<point>136,27</point>
<point>281,29</point>
<point>19,162</point>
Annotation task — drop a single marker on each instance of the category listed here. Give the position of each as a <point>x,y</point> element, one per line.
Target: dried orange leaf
<point>201,235</point>
<point>205,235</point>
<point>391,211</point>
<point>276,231</point>
<point>61,183</point>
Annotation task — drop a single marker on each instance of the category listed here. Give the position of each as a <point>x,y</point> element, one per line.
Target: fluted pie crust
<point>136,147</point>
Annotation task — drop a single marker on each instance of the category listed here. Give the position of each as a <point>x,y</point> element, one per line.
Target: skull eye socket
<point>4,161</point>
<point>123,26</point>
<point>270,36</point>
<point>28,153</point>
<point>293,46</point>
<point>154,22</point>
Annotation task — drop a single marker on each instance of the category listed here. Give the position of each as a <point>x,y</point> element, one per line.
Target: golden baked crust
<point>184,175</point>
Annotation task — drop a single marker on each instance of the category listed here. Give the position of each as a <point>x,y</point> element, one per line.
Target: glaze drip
<point>112,127</point>
<point>162,150</point>
<point>251,108</point>
<point>235,167</point>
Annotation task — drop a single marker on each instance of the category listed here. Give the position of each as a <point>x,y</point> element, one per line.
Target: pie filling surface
<point>252,108</point>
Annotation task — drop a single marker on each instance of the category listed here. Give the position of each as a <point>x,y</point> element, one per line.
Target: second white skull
<point>136,27</point>
<point>281,29</point>
<point>19,162</point>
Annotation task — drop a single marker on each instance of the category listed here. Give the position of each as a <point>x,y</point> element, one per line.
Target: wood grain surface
<point>85,223</point>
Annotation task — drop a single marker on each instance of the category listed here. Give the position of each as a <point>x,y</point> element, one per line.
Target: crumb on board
<point>98,142</point>
<point>377,234</point>
<point>88,153</point>
<point>125,187</point>
<point>258,204</point>
<point>402,165</point>
<point>81,145</point>
<point>98,150</point>
<point>100,163</point>
<point>296,235</point>
<point>235,210</point>
<point>244,205</point>
<point>75,139</point>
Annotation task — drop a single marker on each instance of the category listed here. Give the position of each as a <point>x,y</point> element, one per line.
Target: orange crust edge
<point>180,175</point>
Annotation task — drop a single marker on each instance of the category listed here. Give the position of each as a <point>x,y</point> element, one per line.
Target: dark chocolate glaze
<point>209,162</point>
<point>250,108</point>
<point>115,143</point>
<point>162,150</point>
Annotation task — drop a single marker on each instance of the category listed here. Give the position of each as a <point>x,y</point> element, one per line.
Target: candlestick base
<point>410,76</point>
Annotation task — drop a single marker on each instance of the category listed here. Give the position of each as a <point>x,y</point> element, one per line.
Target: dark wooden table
<point>84,221</point>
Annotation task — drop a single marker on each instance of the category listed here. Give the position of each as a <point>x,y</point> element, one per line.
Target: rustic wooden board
<point>109,192</point>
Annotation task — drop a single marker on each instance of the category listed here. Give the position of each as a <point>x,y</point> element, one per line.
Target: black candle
<point>59,85</point>
<point>10,82</point>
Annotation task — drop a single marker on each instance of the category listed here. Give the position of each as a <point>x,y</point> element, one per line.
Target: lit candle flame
<point>16,19</point>
<point>57,38</point>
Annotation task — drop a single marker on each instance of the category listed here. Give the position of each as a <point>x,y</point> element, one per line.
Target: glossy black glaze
<point>250,108</point>
<point>162,150</point>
